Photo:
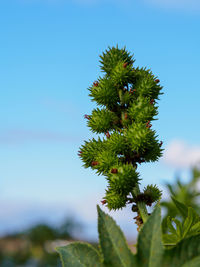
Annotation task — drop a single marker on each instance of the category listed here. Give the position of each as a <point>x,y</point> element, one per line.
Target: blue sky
<point>49,57</point>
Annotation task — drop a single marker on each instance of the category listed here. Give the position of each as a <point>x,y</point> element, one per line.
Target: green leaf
<point>150,247</point>
<point>193,263</point>
<point>181,207</point>
<point>191,219</point>
<point>170,226</point>
<point>170,240</point>
<point>185,251</point>
<point>195,215</point>
<point>79,255</point>
<point>112,242</point>
<point>178,227</point>
<point>189,227</point>
<point>195,229</point>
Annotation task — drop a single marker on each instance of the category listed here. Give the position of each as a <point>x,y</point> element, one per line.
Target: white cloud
<point>193,5</point>
<point>180,155</point>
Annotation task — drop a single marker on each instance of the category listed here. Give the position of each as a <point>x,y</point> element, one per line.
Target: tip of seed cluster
<point>125,65</point>
<point>103,202</point>
<point>80,153</point>
<point>107,134</point>
<point>95,84</point>
<point>148,124</point>
<point>86,116</point>
<point>94,163</point>
<point>132,91</point>
<point>114,170</point>
<point>157,80</point>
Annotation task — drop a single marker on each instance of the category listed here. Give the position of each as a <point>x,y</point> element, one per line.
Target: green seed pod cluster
<point>150,195</point>
<point>127,99</point>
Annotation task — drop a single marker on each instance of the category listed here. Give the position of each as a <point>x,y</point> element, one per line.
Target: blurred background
<point>48,58</point>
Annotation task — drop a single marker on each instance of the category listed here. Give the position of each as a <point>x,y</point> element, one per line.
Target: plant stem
<point>143,211</point>
<point>141,205</point>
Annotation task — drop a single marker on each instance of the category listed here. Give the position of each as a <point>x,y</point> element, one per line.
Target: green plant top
<point>127,99</point>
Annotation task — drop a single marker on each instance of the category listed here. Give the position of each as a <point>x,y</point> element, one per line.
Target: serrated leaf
<point>185,251</point>
<point>112,242</point>
<point>79,255</point>
<point>193,263</point>
<point>150,247</point>
<point>181,207</point>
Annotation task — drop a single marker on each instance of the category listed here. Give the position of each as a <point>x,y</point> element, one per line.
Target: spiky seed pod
<point>117,143</point>
<point>125,97</point>
<point>112,56</point>
<point>140,137</point>
<point>89,151</point>
<point>153,153</point>
<point>124,180</point>
<point>121,76</point>
<point>141,110</point>
<point>105,94</point>
<point>153,192</point>
<point>106,159</point>
<point>150,195</point>
<point>146,198</point>
<point>102,120</point>
<point>145,84</point>
<point>114,200</point>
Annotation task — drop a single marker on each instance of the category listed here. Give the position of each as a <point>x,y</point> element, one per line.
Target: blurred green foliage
<point>186,193</point>
<point>34,247</point>
<point>29,248</point>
